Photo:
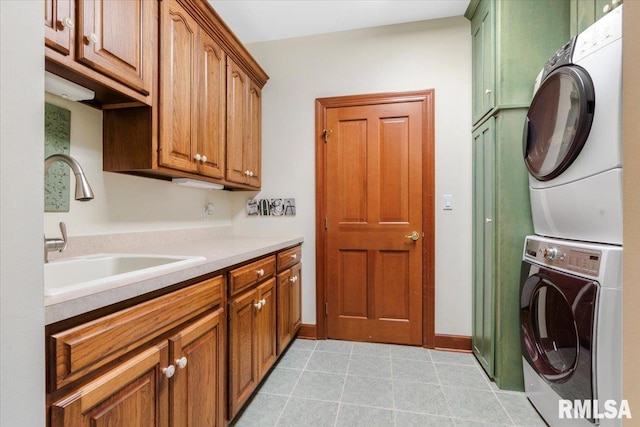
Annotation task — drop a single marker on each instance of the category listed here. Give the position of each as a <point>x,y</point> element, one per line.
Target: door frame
<point>426,97</point>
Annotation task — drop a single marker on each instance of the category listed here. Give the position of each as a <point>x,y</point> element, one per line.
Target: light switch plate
<point>448,202</point>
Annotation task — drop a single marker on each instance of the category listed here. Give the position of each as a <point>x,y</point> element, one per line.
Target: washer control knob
<point>551,253</point>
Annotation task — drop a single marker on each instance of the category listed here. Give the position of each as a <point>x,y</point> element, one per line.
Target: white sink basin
<point>80,276</point>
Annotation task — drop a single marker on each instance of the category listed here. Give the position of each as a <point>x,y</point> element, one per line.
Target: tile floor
<point>350,384</point>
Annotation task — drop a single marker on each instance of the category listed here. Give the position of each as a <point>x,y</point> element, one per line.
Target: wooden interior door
<point>373,203</point>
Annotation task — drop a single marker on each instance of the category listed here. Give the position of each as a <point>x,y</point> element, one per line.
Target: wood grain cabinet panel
<point>289,293</point>
<point>252,341</point>
<point>59,20</point>
<point>289,257</point>
<point>112,37</point>
<point>107,46</point>
<point>79,351</point>
<point>244,123</point>
<point>178,87</point>
<point>206,121</point>
<point>134,393</point>
<point>197,388</point>
<point>167,364</point>
<point>243,348</point>
<point>250,274</point>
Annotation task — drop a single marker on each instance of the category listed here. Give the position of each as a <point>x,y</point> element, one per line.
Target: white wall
<point>424,55</point>
<point>125,203</point>
<point>21,187</point>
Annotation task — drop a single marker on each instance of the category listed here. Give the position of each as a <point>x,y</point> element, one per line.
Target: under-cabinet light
<point>197,184</point>
<point>66,89</point>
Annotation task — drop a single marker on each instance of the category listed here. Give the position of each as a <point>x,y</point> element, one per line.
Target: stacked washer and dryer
<point>571,281</point>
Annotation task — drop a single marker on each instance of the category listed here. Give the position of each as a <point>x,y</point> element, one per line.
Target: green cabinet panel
<point>482,43</point>
<point>483,241</point>
<point>511,41</point>
<point>584,13</point>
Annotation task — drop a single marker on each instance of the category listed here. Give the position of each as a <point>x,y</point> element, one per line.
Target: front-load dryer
<point>571,330</point>
<point>572,138</point>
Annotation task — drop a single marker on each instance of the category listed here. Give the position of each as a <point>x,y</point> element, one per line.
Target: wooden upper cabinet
<point>237,93</point>
<point>211,111</point>
<point>112,37</point>
<point>107,46</point>
<point>253,142</point>
<point>178,90</point>
<point>193,81</point>
<point>205,122</point>
<point>59,22</point>
<point>244,122</point>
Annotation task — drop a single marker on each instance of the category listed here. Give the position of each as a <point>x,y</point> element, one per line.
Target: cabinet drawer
<point>86,348</point>
<point>289,257</point>
<point>244,277</point>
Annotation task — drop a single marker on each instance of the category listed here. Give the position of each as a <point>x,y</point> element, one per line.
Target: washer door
<point>557,315</point>
<point>558,122</point>
<point>550,332</point>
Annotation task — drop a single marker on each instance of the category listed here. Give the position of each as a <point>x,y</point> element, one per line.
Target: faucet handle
<point>63,230</point>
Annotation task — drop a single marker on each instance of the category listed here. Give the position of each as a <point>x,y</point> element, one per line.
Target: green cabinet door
<point>484,297</point>
<point>585,13</point>
<point>482,44</point>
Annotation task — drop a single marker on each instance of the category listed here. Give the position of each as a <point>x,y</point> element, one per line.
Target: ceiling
<point>265,20</point>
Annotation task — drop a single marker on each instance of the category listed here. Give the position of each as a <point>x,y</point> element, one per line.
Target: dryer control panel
<point>571,258</point>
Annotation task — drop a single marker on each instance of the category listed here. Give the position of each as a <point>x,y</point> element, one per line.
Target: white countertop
<point>218,252</point>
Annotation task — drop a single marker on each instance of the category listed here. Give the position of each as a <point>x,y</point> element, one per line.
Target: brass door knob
<point>413,236</point>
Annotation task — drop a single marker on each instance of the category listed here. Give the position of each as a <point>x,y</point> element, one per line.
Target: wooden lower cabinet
<point>163,364</point>
<point>134,393</point>
<point>177,383</point>
<point>289,304</point>
<point>252,342</point>
<point>197,388</point>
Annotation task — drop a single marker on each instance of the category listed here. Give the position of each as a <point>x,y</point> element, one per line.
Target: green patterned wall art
<point>57,139</point>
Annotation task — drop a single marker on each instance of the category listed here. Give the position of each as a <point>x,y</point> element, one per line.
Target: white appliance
<point>572,138</point>
<point>571,327</point>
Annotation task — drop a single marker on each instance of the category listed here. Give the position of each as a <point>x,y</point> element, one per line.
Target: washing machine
<point>571,328</point>
<point>572,142</point>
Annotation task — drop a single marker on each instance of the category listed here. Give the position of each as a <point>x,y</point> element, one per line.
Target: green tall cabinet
<point>511,41</point>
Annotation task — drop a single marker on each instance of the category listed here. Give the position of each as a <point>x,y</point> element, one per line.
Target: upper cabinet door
<point>253,139</point>
<point>237,93</point>
<point>483,61</point>
<point>211,111</point>
<point>178,93</point>
<point>116,39</point>
<point>59,24</point>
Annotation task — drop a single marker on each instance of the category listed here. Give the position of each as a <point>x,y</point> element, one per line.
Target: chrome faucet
<point>83,189</point>
<point>83,194</point>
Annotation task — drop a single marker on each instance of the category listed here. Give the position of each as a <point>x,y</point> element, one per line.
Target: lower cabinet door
<point>266,327</point>
<point>296,298</point>
<point>243,358</point>
<point>132,394</point>
<point>284,310</point>
<point>197,392</point>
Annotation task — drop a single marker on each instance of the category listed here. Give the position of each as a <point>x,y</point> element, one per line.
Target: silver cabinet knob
<point>487,92</point>
<point>204,159</point>
<point>488,220</point>
<point>93,37</point>
<point>260,272</point>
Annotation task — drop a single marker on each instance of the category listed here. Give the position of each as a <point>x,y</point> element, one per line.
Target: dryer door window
<point>558,122</point>
<point>552,332</point>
